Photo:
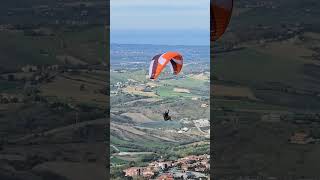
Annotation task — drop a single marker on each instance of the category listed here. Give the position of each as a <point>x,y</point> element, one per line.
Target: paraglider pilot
<point>166,116</point>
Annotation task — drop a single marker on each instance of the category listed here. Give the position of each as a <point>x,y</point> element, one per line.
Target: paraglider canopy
<point>160,61</point>
<point>220,14</point>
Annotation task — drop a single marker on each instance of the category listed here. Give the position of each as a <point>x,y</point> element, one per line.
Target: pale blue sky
<point>160,21</point>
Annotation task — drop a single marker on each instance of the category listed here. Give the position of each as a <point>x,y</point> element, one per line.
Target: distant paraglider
<point>220,14</point>
<point>160,61</point>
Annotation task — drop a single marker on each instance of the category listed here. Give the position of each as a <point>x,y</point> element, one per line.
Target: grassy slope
<point>87,45</point>
<point>252,66</point>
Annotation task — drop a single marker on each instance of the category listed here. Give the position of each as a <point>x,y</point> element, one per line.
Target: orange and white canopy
<point>160,61</point>
<point>220,14</point>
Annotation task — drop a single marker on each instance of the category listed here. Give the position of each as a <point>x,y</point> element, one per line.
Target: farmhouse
<point>300,138</point>
<point>134,171</point>
<point>166,177</point>
<point>165,165</point>
<point>140,171</point>
<point>180,90</point>
<point>202,122</point>
<point>204,105</point>
<point>29,68</point>
<point>271,117</point>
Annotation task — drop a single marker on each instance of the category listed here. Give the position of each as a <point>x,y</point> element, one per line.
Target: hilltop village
<point>190,167</point>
